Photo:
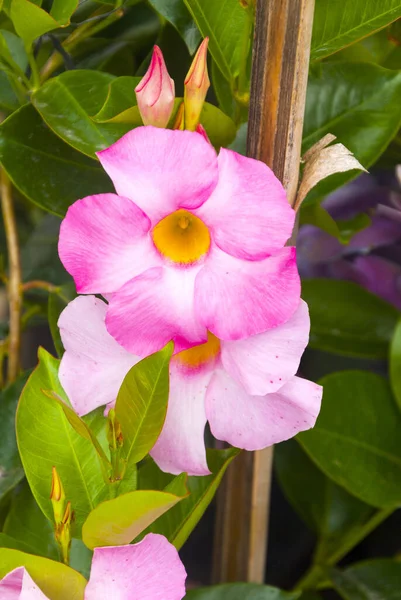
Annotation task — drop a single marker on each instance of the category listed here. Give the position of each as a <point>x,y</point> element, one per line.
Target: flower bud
<point>155,92</point>
<point>200,129</point>
<point>63,534</point>
<point>179,118</point>
<point>196,85</point>
<point>57,497</point>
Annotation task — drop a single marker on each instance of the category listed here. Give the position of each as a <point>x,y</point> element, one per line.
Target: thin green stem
<point>35,77</point>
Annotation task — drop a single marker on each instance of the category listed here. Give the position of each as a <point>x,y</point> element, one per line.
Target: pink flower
<point>149,570</point>
<point>193,242</point>
<point>155,92</point>
<point>246,389</point>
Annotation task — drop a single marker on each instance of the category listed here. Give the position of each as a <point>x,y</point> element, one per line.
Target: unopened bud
<point>202,131</point>
<point>57,497</point>
<point>196,85</point>
<point>155,92</point>
<point>179,118</point>
<point>63,533</point>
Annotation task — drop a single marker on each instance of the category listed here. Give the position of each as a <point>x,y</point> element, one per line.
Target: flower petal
<point>181,445</point>
<point>235,298</point>
<point>94,365</point>
<point>104,242</point>
<point>263,363</point>
<point>248,212</point>
<point>161,170</point>
<point>154,308</point>
<point>255,422</point>
<point>149,570</point>
<point>19,585</point>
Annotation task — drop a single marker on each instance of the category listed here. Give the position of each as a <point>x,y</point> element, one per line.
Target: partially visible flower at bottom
<point>149,569</point>
<point>246,389</point>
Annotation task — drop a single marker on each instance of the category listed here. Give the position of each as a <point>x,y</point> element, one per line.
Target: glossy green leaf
<point>120,97</point>
<point>12,52</point>
<point>121,520</point>
<point>395,363</point>
<point>81,428</point>
<point>356,439</point>
<point>46,439</point>
<point>178,15</point>
<point>358,103</point>
<point>6,541</point>
<point>67,103</point>
<point>343,230</point>
<point>339,24</point>
<point>56,580</point>
<point>26,522</point>
<point>225,29</point>
<point>346,319</point>
<point>141,404</point>
<point>42,167</point>
<point>370,580</point>
<point>329,510</point>
<point>11,471</point>
<point>241,591</point>
<point>8,97</point>
<point>179,522</point>
<point>223,91</point>
<point>31,21</point>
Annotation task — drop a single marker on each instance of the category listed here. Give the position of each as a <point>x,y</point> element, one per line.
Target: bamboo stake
<point>281,49</point>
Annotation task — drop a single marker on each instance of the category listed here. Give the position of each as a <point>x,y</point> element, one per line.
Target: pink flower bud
<point>200,129</point>
<point>196,85</point>
<point>155,92</point>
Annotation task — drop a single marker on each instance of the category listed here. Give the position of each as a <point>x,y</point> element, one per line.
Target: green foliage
<point>358,103</point>
<point>224,27</point>
<point>338,518</point>
<point>31,21</point>
<point>395,363</point>
<point>346,319</point>
<point>46,439</point>
<point>121,520</point>
<point>356,439</point>
<point>241,591</point>
<point>371,580</point>
<point>10,464</point>
<point>178,523</point>
<point>339,24</point>
<point>44,169</point>
<point>178,15</point>
<point>56,580</point>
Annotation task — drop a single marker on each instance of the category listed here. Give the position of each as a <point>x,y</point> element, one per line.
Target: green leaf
<point>13,52</point>
<point>343,230</point>
<point>339,24</point>
<point>223,91</point>
<point>241,591</point>
<point>42,167</point>
<point>6,541</point>
<point>67,103</point>
<point>26,522</point>
<point>46,439</point>
<point>11,471</point>
<point>31,21</point>
<point>356,439</point>
<point>120,97</point>
<point>225,28</point>
<point>141,404</point>
<point>178,15</point>
<point>358,103</point>
<point>8,96</point>
<point>395,363</point>
<point>370,580</point>
<point>346,319</point>
<point>329,510</point>
<point>121,520</point>
<point>56,580</point>
<point>179,522</point>
<point>81,428</point>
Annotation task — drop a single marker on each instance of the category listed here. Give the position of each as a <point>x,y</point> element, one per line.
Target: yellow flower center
<point>200,355</point>
<point>182,237</point>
